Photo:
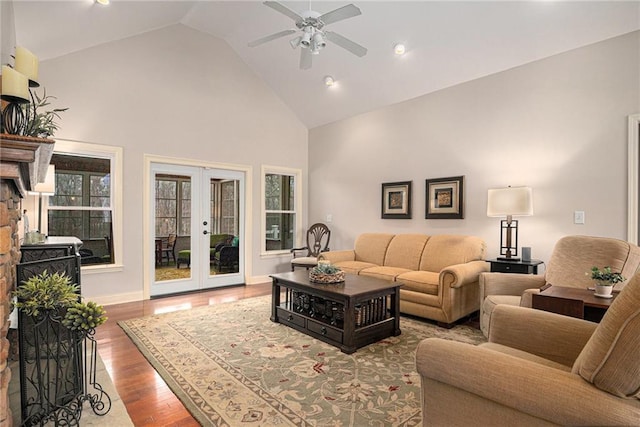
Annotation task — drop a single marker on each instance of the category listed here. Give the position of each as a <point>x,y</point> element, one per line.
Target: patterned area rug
<point>231,366</point>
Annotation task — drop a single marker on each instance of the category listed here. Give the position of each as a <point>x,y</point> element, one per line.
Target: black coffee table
<point>349,315</point>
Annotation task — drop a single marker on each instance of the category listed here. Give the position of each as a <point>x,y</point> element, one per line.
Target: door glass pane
<point>173,227</point>
<point>224,242</point>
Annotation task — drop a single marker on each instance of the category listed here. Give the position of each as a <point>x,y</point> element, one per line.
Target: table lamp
<point>509,202</point>
<point>46,188</point>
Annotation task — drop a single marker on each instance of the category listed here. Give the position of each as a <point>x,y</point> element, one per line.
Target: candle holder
<point>14,120</point>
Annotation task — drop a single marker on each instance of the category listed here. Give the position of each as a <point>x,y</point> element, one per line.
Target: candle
<point>15,86</point>
<point>27,64</point>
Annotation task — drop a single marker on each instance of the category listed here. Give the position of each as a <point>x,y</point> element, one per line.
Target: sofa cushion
<point>405,251</point>
<point>445,250</point>
<point>386,273</point>
<point>353,267</point>
<point>420,281</point>
<point>371,247</point>
<point>610,360</point>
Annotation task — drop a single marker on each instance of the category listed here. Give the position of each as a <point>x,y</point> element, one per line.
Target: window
<point>282,201</point>
<point>87,201</point>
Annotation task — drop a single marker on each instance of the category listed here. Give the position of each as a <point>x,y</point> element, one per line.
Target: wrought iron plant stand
<point>57,371</point>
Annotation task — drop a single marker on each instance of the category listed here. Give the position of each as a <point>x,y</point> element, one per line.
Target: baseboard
<point>117,299</point>
<point>256,280</point>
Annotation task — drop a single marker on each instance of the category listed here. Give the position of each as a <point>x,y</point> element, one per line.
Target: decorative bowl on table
<point>326,273</point>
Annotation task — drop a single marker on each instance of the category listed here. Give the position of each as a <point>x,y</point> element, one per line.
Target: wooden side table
<point>574,302</point>
<point>522,267</point>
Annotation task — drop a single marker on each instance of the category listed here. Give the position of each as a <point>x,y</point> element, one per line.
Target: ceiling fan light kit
<point>314,38</point>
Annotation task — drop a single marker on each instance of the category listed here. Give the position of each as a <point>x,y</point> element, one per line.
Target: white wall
<point>180,93</point>
<point>558,125</point>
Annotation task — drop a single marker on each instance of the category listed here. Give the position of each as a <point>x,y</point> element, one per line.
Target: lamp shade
<point>515,201</point>
<point>48,187</point>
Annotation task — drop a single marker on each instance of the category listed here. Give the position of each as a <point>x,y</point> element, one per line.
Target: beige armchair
<point>572,257</point>
<point>538,368</point>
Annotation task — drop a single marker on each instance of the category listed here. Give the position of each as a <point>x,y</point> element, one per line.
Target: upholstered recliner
<point>572,258</point>
<point>538,368</point>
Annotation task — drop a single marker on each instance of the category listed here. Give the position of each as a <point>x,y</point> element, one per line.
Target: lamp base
<point>502,258</point>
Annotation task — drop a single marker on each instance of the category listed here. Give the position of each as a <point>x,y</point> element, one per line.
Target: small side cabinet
<point>521,267</point>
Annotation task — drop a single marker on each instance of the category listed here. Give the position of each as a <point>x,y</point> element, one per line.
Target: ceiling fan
<point>314,37</point>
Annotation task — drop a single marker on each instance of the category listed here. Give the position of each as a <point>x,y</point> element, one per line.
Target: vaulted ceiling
<point>447,42</point>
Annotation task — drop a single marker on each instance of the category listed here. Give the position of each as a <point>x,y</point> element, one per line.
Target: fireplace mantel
<point>24,160</point>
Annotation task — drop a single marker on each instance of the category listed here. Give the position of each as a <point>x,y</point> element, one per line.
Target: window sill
<point>275,254</point>
<point>97,269</point>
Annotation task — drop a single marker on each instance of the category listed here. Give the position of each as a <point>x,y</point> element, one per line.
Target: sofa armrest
<point>549,335</point>
<point>525,386</point>
<point>459,275</point>
<point>508,283</point>
<point>337,256</point>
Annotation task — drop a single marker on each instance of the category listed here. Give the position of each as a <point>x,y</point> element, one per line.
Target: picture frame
<point>445,198</point>
<point>396,200</point>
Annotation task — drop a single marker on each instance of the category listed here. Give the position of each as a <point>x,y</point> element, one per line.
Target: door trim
<point>633,176</point>
<point>148,224</point>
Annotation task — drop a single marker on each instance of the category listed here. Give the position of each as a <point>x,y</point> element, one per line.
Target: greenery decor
<point>44,292</point>
<point>326,273</point>
<point>605,276</point>
<point>41,124</point>
<point>326,269</point>
<point>84,316</point>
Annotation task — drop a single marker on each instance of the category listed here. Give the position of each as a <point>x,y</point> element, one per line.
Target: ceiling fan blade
<point>284,10</point>
<point>339,14</point>
<point>305,59</point>
<point>345,43</point>
<point>271,37</point>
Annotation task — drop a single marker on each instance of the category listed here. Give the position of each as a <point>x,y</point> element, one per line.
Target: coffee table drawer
<point>324,330</point>
<point>287,317</point>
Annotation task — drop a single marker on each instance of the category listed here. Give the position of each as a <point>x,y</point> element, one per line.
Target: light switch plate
<point>578,217</point>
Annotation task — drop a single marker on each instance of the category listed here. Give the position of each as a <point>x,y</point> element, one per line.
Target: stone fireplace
<point>23,164</point>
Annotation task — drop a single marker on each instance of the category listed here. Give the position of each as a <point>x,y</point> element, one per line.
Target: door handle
<point>204,223</point>
<point>205,232</point>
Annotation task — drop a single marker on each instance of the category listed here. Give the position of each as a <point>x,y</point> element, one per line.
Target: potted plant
<point>41,124</point>
<point>605,279</point>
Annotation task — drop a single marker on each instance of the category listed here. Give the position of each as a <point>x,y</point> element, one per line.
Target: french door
<point>204,209</point>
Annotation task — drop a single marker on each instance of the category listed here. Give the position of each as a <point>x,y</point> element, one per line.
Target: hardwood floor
<point>148,400</point>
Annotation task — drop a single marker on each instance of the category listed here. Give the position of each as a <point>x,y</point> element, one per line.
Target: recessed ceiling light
<point>102,2</point>
<point>329,81</point>
<point>399,49</point>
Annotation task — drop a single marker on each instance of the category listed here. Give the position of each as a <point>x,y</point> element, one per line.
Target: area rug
<point>231,366</point>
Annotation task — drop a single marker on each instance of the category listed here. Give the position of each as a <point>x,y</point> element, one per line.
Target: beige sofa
<point>439,273</point>
<point>538,369</point>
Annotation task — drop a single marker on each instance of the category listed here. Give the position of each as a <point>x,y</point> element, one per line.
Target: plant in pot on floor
<point>57,350</point>
<point>605,279</point>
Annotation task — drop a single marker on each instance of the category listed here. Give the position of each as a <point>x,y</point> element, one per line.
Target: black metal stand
<point>57,371</point>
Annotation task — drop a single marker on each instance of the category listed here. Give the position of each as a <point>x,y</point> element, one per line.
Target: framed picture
<point>445,198</point>
<point>396,200</point>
